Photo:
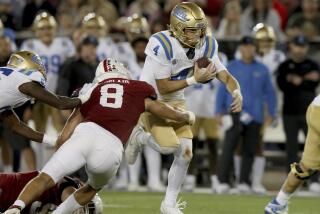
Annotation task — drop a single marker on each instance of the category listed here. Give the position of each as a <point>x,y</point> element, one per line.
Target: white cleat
<point>134,146</point>
<point>258,189</point>
<point>165,209</point>
<point>314,187</point>
<point>244,188</point>
<point>222,188</point>
<point>159,187</point>
<point>275,208</point>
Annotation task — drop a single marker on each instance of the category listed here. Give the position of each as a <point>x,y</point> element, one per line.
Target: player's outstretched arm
<point>12,121</point>
<point>74,119</point>
<point>234,89</point>
<point>166,111</point>
<point>35,90</point>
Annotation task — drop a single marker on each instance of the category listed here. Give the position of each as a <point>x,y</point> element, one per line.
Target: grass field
<point>148,203</point>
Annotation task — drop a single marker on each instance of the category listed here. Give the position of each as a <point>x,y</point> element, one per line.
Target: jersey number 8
<point>111,96</point>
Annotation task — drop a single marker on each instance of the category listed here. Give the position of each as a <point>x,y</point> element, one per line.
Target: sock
<point>134,171</point>
<point>178,171</point>
<point>153,162</point>
<point>258,170</point>
<point>7,168</point>
<point>68,206</point>
<point>20,204</point>
<point>237,167</point>
<point>283,197</point>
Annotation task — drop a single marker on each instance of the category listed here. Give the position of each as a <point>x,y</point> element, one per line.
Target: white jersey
<point>316,101</point>
<point>106,49</point>
<point>272,60</point>
<point>166,58</point>
<point>52,56</point>
<point>128,57</point>
<point>10,80</point>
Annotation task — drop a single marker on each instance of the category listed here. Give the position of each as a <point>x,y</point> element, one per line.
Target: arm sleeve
<point>159,70</point>
<point>149,91</point>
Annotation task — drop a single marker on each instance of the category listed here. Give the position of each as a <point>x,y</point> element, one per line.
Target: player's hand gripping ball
<point>204,62</point>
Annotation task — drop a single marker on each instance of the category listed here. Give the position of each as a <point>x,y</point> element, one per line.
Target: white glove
<point>192,117</point>
<point>13,211</point>
<point>85,92</point>
<point>49,140</point>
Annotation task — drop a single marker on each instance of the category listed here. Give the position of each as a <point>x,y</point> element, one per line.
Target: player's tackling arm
<point>234,89</point>
<point>74,119</point>
<point>166,111</point>
<point>35,90</point>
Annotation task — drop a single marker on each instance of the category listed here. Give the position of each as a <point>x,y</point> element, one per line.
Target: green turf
<point>141,203</point>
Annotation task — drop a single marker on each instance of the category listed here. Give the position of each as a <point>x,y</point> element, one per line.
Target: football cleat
<point>134,146</point>
<point>275,208</point>
<point>165,209</point>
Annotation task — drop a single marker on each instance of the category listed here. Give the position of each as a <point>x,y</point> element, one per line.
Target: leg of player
<point>309,164</point>
<point>153,162</point>
<point>77,200</point>
<point>33,190</point>
<point>177,173</point>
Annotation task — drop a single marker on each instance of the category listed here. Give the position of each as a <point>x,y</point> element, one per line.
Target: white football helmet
<point>111,68</point>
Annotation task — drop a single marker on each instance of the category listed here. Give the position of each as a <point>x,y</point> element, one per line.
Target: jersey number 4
<point>111,96</point>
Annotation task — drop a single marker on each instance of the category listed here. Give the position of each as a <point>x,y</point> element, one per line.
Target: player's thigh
<point>311,153</point>
<point>182,130</point>
<point>163,133</point>
<point>104,159</point>
<point>211,128</point>
<point>195,128</point>
<point>71,156</point>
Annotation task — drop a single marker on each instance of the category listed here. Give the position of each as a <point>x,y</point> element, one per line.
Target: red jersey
<point>12,184</point>
<point>116,104</point>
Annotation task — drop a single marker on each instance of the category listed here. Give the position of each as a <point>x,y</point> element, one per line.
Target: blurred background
<point>72,36</point>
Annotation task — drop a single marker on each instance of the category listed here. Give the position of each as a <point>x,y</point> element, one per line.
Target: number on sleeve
<point>156,49</point>
<point>111,96</point>
<point>6,71</point>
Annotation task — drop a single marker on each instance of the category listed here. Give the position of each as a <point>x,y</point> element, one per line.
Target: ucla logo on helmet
<point>180,14</point>
<point>36,59</point>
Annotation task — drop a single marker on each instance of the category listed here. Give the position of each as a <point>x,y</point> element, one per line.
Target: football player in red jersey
<point>98,131</point>
<point>11,185</point>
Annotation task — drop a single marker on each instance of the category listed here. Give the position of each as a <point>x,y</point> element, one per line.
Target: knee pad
<point>300,173</point>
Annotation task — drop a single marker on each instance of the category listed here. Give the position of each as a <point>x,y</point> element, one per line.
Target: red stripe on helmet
<point>106,66</point>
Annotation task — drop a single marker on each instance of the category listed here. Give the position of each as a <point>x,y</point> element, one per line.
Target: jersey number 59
<point>111,95</point>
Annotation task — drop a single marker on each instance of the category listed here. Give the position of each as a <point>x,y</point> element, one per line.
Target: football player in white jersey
<point>170,67</point>
<point>52,50</point>
<point>308,165</point>
<point>95,25</point>
<point>22,79</point>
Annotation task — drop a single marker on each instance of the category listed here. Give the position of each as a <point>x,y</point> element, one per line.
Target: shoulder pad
<point>34,75</point>
<point>160,47</point>
<point>211,47</point>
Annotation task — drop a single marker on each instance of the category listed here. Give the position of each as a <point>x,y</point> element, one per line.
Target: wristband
<point>19,204</point>
<point>191,80</point>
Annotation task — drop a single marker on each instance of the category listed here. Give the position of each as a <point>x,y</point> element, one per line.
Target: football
<point>203,62</point>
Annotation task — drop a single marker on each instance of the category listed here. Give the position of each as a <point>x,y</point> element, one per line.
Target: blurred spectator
<point>66,23</point>
<point>5,50</point>
<point>50,5</point>
<point>79,70</point>
<point>257,90</point>
<point>103,8</point>
<point>282,12</point>
<point>147,8</point>
<point>306,22</point>
<point>260,11</point>
<point>29,12</point>
<point>157,26</point>
<point>6,14</point>
<point>70,8</point>
<point>298,78</point>
<point>95,25</point>
<point>230,24</point>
